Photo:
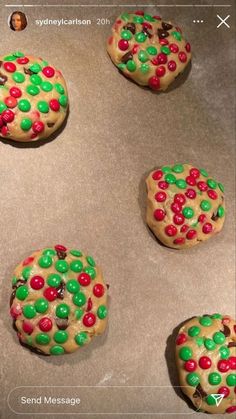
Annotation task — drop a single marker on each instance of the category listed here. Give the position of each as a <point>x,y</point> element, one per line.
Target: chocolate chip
<point>130,26</point>
<point>231,344</point>
<point>28,71</point>
<point>60,253</point>
<point>214,216</point>
<point>3,79</point>
<point>128,56</point>
<point>166,26</point>
<point>146,31</point>
<point>199,392</point>
<point>162,33</point>
<point>50,125</point>
<point>62,324</point>
<point>226,331</point>
<point>61,290</point>
<point>33,349</point>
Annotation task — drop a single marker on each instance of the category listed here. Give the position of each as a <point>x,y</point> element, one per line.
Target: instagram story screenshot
<point>117,210</point>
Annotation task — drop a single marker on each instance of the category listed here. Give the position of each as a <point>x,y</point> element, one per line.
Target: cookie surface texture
<point>184,205</point>
<point>206,362</point>
<point>147,49</point>
<point>33,98</point>
<point>59,300</point>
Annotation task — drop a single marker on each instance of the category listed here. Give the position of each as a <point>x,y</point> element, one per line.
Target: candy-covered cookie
<point>184,205</point>
<point>33,98</point>
<point>59,300</point>
<point>147,49</point>
<point>206,362</point>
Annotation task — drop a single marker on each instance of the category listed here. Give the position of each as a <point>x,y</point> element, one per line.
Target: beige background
<point>86,189</point>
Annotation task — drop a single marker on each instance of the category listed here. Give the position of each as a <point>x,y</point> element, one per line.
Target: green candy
<point>41,305</point>
<point>79,313</point>
<point>221,187</point>
<point>143,56</point>
<point>178,168</point>
<point>54,280</point>
<point>63,100</point>
<point>214,378</point>
<point>57,350</point>
<point>224,352</point>
<point>219,338</point>
<point>121,66</point>
<point>176,35</point>
<point>102,312</point>
<point>90,271</point>
<point>36,79</point>
<point>75,252</point>
<point>62,266</point>
<point>194,331</point>
<point>26,272</point>
<point>14,280</point>
<point>24,105</point>
<point>140,37</point>
<point>169,178</point>
<point>203,172</point>
<point>62,311</point>
<point>131,66</point>
<point>18,54</point>
<point>231,380</point>
<point>205,321</point>
<point>216,316</point>
<point>18,77</point>
<point>26,124</point>
<point>199,341</point>
<point>43,106</point>
<point>149,18</point>
<point>125,16</point>
<point>165,50</point>
<point>81,338</point>
<point>185,353</point>
<point>151,50</point>
<point>73,286</point>
<point>3,107</point>
<point>144,68</point>
<point>60,336</point>
<point>49,252</point>
<point>29,311</point>
<point>36,68</point>
<point>46,86</point>
<point>22,292</point>
<point>211,401</point>
<point>209,344</point>
<point>59,88</point>
<point>212,183</point>
<point>76,265</point>
<point>221,211</point>
<point>166,169</point>
<point>9,58</point>
<point>32,90</point>
<point>138,19</point>
<point>126,34</point>
<point>193,379</point>
<point>45,261</point>
<point>29,340</point>
<point>42,338</point>
<point>205,205</point>
<point>181,183</point>
<point>79,299</point>
<point>91,261</point>
<point>188,212</point>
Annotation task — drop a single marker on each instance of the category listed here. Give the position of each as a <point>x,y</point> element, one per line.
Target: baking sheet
<point>85,189</point>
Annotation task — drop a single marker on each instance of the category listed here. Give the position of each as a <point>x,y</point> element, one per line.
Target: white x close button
<point>223,21</point>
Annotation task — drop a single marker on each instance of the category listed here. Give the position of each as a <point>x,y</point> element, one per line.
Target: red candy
<point>27,327</point>
<point>10,101</point>
<point>139,13</point>
<point>163,184</point>
<point>223,365</point>
<point>28,261</point>
<point>182,57</point>
<point>157,175</point>
<point>60,248</point>
<point>98,290</point>
<point>8,116</point>
<point>174,48</point>
<point>190,193</point>
<point>231,409</point>
<point>188,47</point>
<point>162,58</point>
<point>37,127</point>
<point>123,44</point>
<point>135,48</point>
<point>204,362</point>
<point>159,214</point>
<point>160,71</point>
<point>181,338</point>
<point>212,194</point>
<point>191,234</point>
<point>4,131</point>
<point>50,293</point>
<point>190,365</point>
<point>89,319</point>
<point>15,92</point>
<point>89,305</point>
<point>155,61</point>
<point>22,60</point>
<point>37,282</point>
<point>16,311</point>
<point>84,279</point>
<point>163,41</point>
<point>224,390</point>
<point>180,198</point>
<point>171,230</point>
<point>178,219</point>
<point>207,228</point>
<point>10,67</point>
<point>147,25</point>
<point>179,240</point>
<point>202,218</point>
<point>1,122</point>
<point>45,324</point>
<point>160,196</point>
<point>176,207</point>
<point>202,186</point>
<point>154,83</point>
<point>172,65</point>
<point>48,71</point>
<point>184,228</point>
<point>54,105</point>
<point>110,40</point>
<point>232,362</point>
<point>194,172</point>
<point>191,180</point>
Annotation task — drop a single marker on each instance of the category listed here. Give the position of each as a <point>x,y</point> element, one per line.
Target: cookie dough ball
<point>184,205</point>
<point>59,300</point>
<point>33,98</point>
<point>206,362</point>
<point>147,49</point>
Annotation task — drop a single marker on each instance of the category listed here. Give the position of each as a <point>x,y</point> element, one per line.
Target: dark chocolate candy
<point>226,331</point>
<point>62,324</point>
<point>61,290</point>
<point>28,71</point>
<point>162,33</point>
<point>166,26</point>
<point>130,26</point>
<point>3,79</point>
<point>128,56</point>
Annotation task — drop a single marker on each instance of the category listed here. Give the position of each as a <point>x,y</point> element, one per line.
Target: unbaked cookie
<point>59,300</point>
<point>33,98</point>
<point>147,49</point>
<point>184,205</point>
<point>206,362</point>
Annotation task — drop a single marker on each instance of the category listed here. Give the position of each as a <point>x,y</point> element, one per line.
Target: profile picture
<point>17,21</point>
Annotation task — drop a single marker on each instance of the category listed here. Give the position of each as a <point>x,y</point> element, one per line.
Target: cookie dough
<point>184,205</point>
<point>59,300</point>
<point>33,98</point>
<point>206,362</point>
<point>147,49</point>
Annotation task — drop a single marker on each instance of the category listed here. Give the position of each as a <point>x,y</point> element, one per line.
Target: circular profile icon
<point>17,21</point>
